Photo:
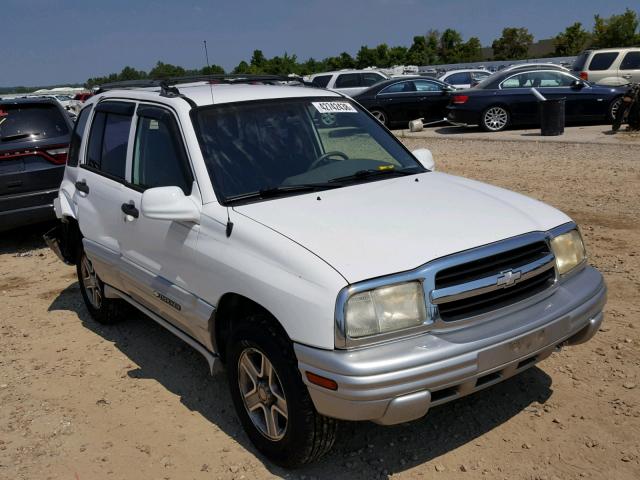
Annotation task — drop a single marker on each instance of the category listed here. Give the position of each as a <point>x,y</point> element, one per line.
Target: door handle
<point>130,209</point>
<point>82,186</point>
<point>628,75</point>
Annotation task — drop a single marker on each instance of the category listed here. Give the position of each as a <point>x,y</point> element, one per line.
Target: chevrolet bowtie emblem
<point>508,278</point>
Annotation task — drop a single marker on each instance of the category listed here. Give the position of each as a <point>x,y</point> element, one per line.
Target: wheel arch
<point>233,310</point>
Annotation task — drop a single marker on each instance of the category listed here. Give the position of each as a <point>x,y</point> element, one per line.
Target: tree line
<point>430,49</point>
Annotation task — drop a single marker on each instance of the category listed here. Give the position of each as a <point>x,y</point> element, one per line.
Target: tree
<point>257,60</point>
<point>166,70</point>
<point>212,70</point>
<point>130,73</point>
<point>513,45</point>
<point>397,55</point>
<point>616,31</point>
<point>424,49</point>
<point>450,45</point>
<point>572,41</point>
<point>471,50</point>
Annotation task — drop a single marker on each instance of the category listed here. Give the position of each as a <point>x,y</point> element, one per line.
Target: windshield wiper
<point>283,191</point>
<point>363,174</point>
<point>18,136</point>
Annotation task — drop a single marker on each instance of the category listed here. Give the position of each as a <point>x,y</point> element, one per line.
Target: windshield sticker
<point>334,107</point>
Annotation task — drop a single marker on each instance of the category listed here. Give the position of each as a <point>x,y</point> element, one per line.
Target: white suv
<point>333,272</point>
<point>349,82</point>
<point>609,66</point>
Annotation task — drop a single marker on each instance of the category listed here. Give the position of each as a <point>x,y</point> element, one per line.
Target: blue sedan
<point>505,99</point>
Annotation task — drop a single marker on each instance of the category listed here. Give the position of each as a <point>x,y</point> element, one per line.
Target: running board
<point>210,357</point>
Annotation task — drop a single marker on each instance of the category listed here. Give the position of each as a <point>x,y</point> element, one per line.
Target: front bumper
<point>399,381</point>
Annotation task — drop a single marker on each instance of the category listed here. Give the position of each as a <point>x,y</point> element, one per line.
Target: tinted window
<point>399,87</point>
<point>76,137</point>
<point>19,122</point>
<point>478,76</point>
<point>108,142</point>
<point>631,61</point>
<point>602,61</point>
<point>461,78</point>
<point>580,62</point>
<point>322,81</point>
<point>159,158</point>
<point>550,79</point>
<point>427,86</point>
<point>369,79</point>
<point>522,80</point>
<point>347,80</point>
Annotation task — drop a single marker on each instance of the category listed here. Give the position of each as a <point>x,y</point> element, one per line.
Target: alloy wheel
<point>262,394</point>
<point>496,118</point>
<point>90,282</point>
<point>614,108</point>
<point>380,116</point>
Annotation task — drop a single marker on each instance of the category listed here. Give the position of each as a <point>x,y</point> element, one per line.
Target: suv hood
<point>389,226</point>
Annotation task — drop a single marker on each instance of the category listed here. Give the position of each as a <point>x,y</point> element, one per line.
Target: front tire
<point>103,310</point>
<point>616,112</point>
<point>495,119</point>
<point>270,398</point>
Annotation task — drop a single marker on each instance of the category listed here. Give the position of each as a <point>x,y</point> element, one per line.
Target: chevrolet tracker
<point>334,273</point>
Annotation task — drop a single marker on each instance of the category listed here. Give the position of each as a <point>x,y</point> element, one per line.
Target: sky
<point>47,42</point>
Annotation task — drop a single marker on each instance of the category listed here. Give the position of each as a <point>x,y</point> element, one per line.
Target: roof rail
<point>167,84</point>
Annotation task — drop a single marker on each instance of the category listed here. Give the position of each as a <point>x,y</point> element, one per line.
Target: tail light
<point>57,154</point>
<point>459,99</point>
<point>584,76</point>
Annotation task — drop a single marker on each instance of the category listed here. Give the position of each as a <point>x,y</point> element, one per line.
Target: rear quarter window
<point>631,61</point>
<point>348,80</point>
<point>602,61</point>
<point>20,121</point>
<point>322,81</point>
<point>580,62</point>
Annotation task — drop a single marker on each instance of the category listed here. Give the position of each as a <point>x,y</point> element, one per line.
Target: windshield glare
<point>256,146</point>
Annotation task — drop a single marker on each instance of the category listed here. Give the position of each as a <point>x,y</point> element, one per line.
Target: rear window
<point>347,80</point>
<point>631,61</point>
<point>369,79</point>
<point>322,81</point>
<point>602,61</point>
<point>580,61</point>
<point>22,121</point>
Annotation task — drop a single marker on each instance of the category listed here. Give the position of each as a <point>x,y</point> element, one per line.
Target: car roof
<point>606,50</point>
<point>464,70</point>
<point>533,66</point>
<point>203,94</point>
<point>354,70</point>
<point>29,100</point>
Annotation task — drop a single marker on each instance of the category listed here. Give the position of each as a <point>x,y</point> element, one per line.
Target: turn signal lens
<point>321,381</point>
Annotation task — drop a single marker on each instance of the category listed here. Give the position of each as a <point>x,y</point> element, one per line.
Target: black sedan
<point>505,99</point>
<point>400,100</point>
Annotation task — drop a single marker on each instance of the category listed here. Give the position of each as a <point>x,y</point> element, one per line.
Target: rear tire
<point>614,110</point>
<point>495,119</point>
<point>381,116</point>
<point>273,391</point>
<point>103,310</point>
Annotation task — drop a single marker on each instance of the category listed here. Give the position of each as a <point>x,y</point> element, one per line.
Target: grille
<point>469,302</point>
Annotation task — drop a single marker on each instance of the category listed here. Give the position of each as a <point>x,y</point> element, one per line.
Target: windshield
<point>259,146</point>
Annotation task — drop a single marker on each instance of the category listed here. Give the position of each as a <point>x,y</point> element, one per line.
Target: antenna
<point>206,55</point>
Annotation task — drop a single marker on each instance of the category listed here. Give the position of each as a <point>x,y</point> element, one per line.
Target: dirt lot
<point>82,401</point>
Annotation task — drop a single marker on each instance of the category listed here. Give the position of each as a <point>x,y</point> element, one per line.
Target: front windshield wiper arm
<point>18,136</point>
<point>362,174</point>
<point>284,190</point>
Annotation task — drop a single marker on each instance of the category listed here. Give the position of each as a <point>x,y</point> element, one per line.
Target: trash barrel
<point>551,117</point>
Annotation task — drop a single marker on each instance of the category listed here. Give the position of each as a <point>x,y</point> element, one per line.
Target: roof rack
<point>169,84</point>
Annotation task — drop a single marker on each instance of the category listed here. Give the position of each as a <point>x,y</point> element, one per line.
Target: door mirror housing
<point>425,158</point>
<point>169,203</point>
<point>578,84</point>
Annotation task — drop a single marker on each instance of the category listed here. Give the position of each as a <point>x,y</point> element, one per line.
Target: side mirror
<point>425,158</point>
<point>578,84</point>
<point>169,203</point>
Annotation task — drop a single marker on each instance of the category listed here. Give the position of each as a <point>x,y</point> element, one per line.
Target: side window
<point>602,61</point>
<point>76,137</point>
<point>631,61</point>
<point>109,138</point>
<point>461,78</point>
<point>159,157</point>
<point>427,86</point>
<point>348,80</point>
<point>521,80</point>
<point>550,79</point>
<point>398,88</point>
<point>322,81</point>
<point>478,76</point>
<point>370,78</point>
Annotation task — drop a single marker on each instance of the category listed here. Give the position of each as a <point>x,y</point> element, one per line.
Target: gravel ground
<point>83,401</point>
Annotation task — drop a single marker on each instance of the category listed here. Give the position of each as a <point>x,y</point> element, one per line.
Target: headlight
<point>385,309</point>
<point>569,251</point>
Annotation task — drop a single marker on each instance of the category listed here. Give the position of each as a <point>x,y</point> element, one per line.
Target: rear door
<point>398,102</point>
<point>159,257</point>
<point>431,99</point>
<point>100,190</point>
<point>629,68</point>
<point>516,95</point>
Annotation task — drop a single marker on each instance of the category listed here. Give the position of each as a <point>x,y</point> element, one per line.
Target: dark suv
<point>34,143</point>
